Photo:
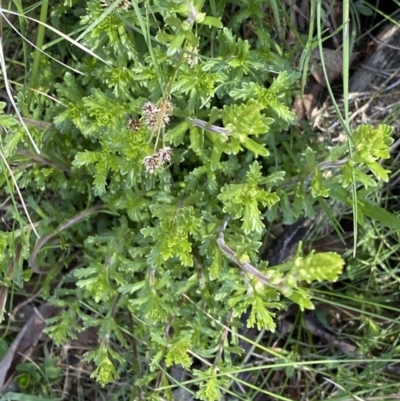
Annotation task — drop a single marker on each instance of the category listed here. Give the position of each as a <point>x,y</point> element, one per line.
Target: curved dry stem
<point>208,127</point>
<point>42,160</point>
<point>246,267</point>
<point>76,219</point>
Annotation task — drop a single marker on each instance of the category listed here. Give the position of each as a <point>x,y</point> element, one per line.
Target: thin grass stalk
<point>9,89</point>
<point>275,11</point>
<point>344,121</point>
<point>346,71</point>
<point>37,54</point>
<point>22,27</point>
<point>145,28</point>
<point>305,57</point>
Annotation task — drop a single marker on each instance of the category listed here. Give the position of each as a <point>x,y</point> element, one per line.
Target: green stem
<point>39,44</point>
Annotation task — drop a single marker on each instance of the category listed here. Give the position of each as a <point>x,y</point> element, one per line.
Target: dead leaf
<point>88,336</point>
<point>304,106</point>
<point>333,61</point>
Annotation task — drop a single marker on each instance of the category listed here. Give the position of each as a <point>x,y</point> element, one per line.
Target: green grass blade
<point>37,54</point>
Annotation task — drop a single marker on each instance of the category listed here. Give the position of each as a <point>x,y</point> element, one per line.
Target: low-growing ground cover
<point>172,228</point>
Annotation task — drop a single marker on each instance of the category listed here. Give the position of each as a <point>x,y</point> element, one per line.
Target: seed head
<point>151,163</point>
<point>164,154</point>
<point>124,5</point>
<point>133,125</point>
<point>156,160</point>
<point>151,114</point>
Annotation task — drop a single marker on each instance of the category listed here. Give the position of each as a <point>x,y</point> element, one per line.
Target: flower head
<point>164,154</point>
<point>124,5</point>
<point>156,160</point>
<point>151,163</point>
<point>133,125</point>
<point>156,117</point>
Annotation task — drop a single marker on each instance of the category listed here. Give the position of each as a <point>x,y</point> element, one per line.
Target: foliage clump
<point>175,124</point>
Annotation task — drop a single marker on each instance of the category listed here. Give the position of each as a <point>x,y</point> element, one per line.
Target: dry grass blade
<point>10,96</point>
<point>64,226</point>
<point>41,51</point>
<point>56,31</point>
<point>25,341</point>
<point>43,160</point>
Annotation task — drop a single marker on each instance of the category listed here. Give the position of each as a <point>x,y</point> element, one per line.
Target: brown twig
<point>246,267</point>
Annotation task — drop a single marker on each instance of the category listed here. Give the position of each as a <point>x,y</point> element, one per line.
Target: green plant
<point>138,204</point>
<point>30,375</point>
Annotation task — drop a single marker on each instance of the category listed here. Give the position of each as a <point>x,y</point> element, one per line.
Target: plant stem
<point>39,44</point>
